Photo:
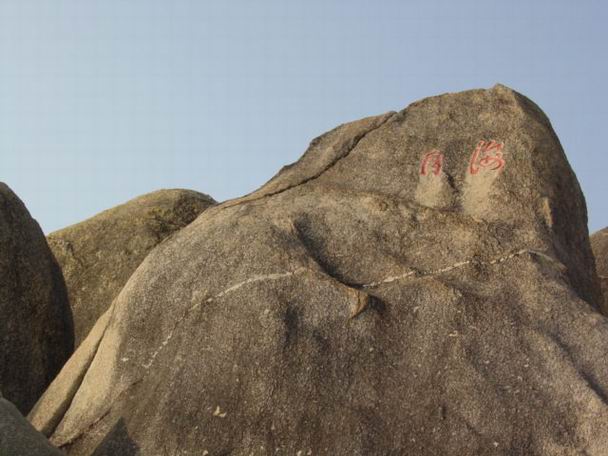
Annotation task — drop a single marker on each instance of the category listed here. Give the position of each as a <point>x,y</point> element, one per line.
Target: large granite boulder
<point>99,255</point>
<point>36,332</point>
<point>18,437</point>
<point>416,284</point>
<point>599,244</point>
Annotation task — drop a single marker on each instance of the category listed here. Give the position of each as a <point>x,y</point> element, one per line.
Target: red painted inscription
<point>432,161</point>
<point>487,155</point>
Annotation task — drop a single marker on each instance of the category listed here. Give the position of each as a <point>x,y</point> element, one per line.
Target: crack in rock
<point>72,440</point>
<point>60,411</point>
<point>460,264</point>
<point>356,141</point>
<point>78,436</point>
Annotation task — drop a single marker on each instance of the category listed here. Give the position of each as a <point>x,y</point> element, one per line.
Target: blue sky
<point>103,100</point>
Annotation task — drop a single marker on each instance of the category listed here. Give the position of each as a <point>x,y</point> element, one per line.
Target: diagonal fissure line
<point>326,168</point>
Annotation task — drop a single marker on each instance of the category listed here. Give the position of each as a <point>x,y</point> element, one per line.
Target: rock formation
<point>599,244</point>
<point>18,437</point>
<point>36,332</point>
<point>416,284</point>
<point>99,255</point>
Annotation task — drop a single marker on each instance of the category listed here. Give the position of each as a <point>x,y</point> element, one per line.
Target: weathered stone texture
<point>371,299</point>
<point>99,255</point>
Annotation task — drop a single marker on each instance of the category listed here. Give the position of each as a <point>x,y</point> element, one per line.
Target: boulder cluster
<point>419,283</point>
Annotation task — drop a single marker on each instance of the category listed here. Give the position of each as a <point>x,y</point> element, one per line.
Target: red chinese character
<point>432,159</point>
<point>487,154</point>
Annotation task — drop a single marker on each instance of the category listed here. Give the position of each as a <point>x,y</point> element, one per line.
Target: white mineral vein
<point>231,289</point>
<point>460,264</point>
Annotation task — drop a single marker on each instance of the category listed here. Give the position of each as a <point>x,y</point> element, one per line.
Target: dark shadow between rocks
<point>118,442</point>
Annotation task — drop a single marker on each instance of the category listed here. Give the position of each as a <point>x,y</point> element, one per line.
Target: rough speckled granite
<point>599,244</point>
<point>99,255</point>
<point>36,332</point>
<point>371,299</point>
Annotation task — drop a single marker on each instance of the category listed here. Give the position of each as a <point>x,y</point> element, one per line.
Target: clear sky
<point>103,100</point>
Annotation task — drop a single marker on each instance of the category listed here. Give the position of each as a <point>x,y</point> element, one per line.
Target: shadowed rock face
<point>18,437</point>
<point>99,255</point>
<point>599,244</point>
<point>415,284</point>
<point>36,332</point>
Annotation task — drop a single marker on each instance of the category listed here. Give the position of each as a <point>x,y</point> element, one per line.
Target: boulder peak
<point>417,283</point>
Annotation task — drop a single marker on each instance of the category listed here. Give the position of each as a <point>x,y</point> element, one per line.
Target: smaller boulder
<point>36,331</point>
<point>18,437</point>
<point>99,255</point>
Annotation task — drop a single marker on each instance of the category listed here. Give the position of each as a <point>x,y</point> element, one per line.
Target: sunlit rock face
<point>417,283</point>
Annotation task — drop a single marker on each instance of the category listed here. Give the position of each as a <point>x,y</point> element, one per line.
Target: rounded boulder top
<point>99,255</point>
